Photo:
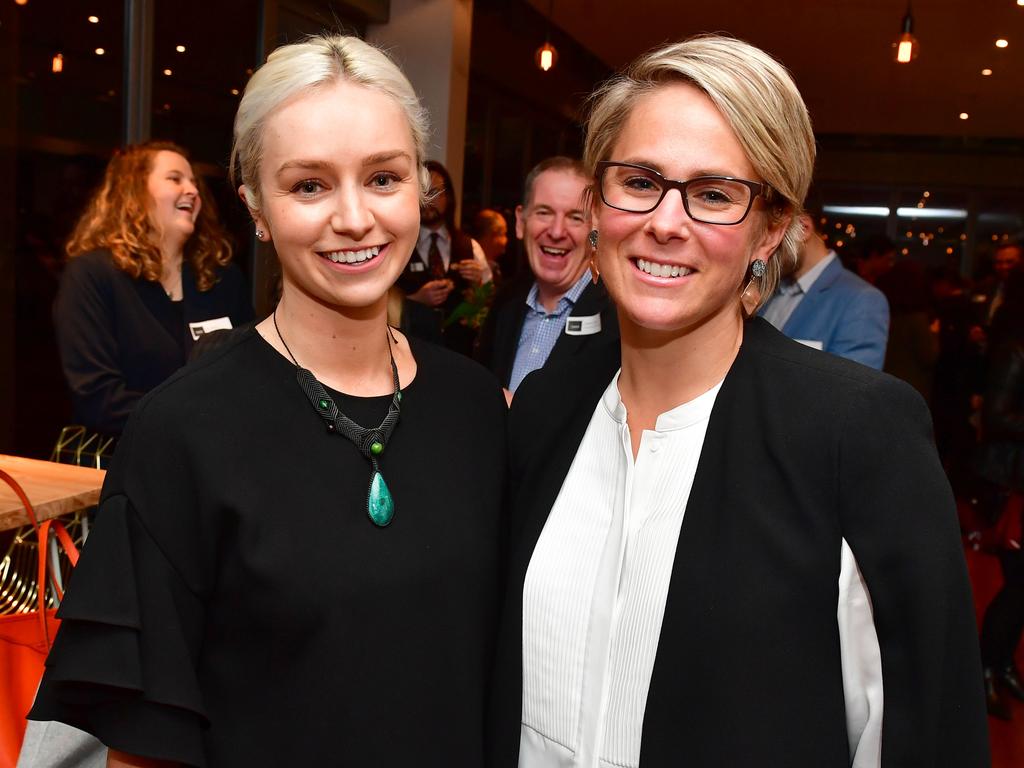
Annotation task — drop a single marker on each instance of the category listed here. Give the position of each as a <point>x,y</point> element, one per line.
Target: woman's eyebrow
<point>383,157</point>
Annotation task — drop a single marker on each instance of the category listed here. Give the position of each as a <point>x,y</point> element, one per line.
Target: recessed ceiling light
<point>100,51</point>
<point>986,72</point>
<point>168,72</point>
<point>234,91</point>
<point>179,48</point>
<point>94,19</point>
<point>927,193</point>
<point>964,115</point>
<point>1001,43</point>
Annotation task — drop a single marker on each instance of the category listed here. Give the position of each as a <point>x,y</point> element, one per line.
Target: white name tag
<point>206,326</point>
<point>812,343</point>
<point>583,326</point>
<point>417,266</point>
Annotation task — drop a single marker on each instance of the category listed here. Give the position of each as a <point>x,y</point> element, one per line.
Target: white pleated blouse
<point>595,592</point>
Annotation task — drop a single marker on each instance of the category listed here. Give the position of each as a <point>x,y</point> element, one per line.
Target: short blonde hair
<point>755,95</point>
<point>292,70</point>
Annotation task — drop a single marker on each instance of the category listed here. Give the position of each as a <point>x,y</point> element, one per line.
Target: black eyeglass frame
<point>757,188</point>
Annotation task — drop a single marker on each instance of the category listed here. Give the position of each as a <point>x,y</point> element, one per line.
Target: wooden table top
<point>54,489</point>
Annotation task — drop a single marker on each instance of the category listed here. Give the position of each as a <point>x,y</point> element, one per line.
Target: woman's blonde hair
<point>117,218</point>
<point>299,68</point>
<point>755,95</point>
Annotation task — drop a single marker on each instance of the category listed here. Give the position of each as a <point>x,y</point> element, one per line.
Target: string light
<point>986,72</point>
<point>100,51</point>
<point>57,65</point>
<point>179,48</point>
<point>1002,43</point>
<point>94,19</point>
<point>168,72</point>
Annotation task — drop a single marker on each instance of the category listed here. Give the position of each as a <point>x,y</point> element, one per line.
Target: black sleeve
<point>123,664</point>
<point>899,517</point>
<point>84,322</point>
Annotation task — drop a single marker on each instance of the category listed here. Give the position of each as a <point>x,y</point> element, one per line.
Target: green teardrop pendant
<point>379,504</point>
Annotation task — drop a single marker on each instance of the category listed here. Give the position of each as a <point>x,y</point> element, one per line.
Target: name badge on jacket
<point>583,326</point>
<point>206,326</point>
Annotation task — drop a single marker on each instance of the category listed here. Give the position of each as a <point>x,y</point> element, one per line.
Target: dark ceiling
<point>840,53</point>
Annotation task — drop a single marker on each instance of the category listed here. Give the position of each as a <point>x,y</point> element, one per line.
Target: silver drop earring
<point>592,238</point>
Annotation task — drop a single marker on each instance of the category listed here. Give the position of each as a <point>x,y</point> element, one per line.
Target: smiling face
<point>173,195</point>
<point>339,193</point>
<point>665,271</point>
<point>553,228</point>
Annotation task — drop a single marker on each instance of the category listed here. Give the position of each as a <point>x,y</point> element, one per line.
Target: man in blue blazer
<point>825,306</point>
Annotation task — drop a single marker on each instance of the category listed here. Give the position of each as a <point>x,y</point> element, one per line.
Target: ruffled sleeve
<point>123,665</point>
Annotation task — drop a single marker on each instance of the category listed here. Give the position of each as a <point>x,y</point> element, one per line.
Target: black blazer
<point>119,336</point>
<point>802,449</point>
<point>500,336</point>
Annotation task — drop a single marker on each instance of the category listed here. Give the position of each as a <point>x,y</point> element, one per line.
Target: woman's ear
<point>771,237</point>
<point>262,230</point>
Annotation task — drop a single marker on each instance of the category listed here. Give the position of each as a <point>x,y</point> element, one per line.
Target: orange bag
<point>25,639</point>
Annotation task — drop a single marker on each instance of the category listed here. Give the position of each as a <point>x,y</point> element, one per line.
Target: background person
<point>822,304</point>
<point>447,263</point>
<point>557,310</point>
<point>1001,463</point>
<point>729,549</point>
<point>269,583</point>
<point>491,230</point>
<point>149,272</point>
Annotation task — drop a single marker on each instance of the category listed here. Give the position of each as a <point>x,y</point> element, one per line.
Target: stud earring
<point>758,268</point>
<point>592,238</point>
<point>259,234</point>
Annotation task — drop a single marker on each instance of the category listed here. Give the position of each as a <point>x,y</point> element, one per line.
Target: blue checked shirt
<point>541,330</point>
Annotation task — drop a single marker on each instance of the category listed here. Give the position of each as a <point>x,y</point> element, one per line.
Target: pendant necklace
<point>380,507</point>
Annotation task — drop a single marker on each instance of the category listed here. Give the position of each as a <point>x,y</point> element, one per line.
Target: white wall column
<point>430,41</point>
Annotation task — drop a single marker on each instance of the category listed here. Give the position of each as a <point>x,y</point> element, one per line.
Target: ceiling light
<point>964,115</point>
<point>1001,43</point>
<point>931,213</point>
<point>986,72</point>
<point>906,45</point>
<point>168,72</point>
<point>234,91</point>
<point>855,210</point>
<point>100,51</point>
<point>57,65</point>
<point>94,19</point>
<point>546,56</point>
<point>905,251</point>
<point>179,48</point>
<point>25,2</point>
<point>926,194</point>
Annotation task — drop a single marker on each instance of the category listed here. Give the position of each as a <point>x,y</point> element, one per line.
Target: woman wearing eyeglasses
<point>729,549</point>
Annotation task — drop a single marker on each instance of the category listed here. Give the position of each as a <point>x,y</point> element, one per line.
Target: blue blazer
<point>846,315</point>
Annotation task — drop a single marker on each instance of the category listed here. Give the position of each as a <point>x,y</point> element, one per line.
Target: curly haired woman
<point>149,273</point>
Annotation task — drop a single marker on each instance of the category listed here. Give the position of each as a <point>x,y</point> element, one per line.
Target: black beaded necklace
<point>380,507</point>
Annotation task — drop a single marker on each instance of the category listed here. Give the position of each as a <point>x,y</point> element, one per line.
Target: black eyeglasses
<point>709,199</point>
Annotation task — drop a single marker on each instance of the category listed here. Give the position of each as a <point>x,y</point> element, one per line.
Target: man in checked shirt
<point>557,310</point>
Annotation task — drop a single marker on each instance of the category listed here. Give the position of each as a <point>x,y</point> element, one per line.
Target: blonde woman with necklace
<point>311,547</point>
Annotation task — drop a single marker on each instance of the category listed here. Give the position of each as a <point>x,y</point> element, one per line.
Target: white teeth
<point>656,269</point>
<point>352,257</point>
<point>554,251</point>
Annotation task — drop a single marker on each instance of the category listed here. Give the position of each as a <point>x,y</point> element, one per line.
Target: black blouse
<point>234,605</point>
<point>121,336</point>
